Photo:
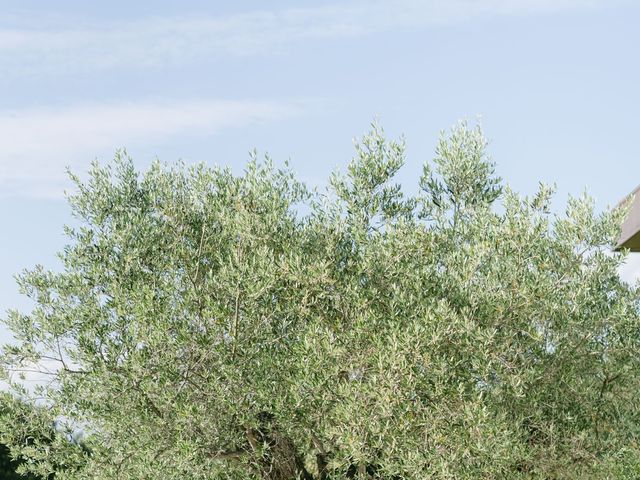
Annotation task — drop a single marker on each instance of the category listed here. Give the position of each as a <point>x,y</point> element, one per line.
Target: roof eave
<point>630,235</point>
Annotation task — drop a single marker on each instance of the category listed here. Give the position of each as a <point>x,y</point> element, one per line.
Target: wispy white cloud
<point>88,45</point>
<point>37,144</point>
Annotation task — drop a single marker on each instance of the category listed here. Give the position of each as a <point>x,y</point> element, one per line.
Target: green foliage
<point>8,466</point>
<point>22,427</point>
<point>212,326</point>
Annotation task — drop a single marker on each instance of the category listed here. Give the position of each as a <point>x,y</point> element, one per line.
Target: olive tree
<point>27,432</point>
<point>217,326</point>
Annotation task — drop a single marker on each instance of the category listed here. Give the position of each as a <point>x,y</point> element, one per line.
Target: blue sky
<point>555,82</point>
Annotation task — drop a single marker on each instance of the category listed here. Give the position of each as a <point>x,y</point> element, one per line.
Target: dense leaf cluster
<point>214,326</point>
<point>8,466</point>
<point>22,435</point>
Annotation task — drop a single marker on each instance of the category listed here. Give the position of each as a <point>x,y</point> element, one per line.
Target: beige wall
<point>630,237</point>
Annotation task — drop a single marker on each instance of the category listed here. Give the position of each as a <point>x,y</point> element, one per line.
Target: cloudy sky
<point>555,83</point>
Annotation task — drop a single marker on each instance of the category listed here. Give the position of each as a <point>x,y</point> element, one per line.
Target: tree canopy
<point>25,434</point>
<point>9,466</point>
<point>208,325</point>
